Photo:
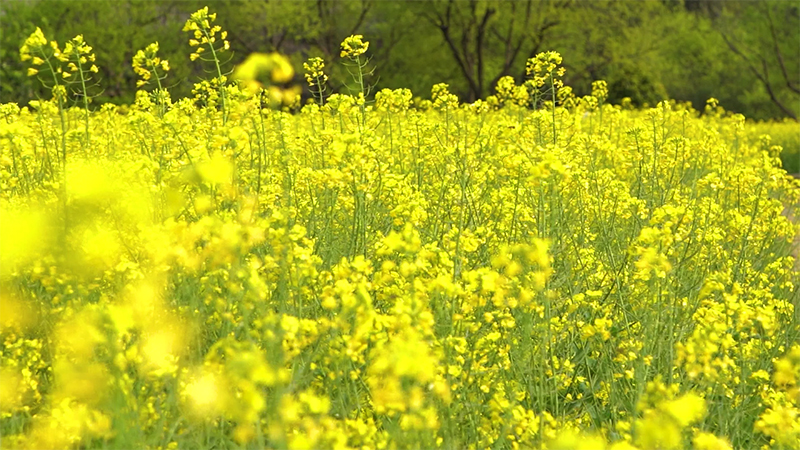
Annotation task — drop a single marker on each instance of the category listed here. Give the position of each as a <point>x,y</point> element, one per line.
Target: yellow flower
<point>203,391</point>
<point>707,441</point>
<point>353,46</point>
<point>35,41</point>
<point>600,90</point>
<point>686,409</point>
<point>654,432</point>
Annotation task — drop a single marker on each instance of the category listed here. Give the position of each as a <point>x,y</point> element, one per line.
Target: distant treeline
<point>746,54</point>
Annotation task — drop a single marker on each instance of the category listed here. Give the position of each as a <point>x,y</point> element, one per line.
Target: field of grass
<point>536,270</point>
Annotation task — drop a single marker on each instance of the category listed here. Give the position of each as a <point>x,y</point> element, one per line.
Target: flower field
<point>536,270</point>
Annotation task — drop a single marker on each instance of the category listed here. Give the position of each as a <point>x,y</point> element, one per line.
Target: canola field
<point>532,271</point>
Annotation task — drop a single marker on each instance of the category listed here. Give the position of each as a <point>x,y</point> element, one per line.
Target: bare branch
<point>443,23</point>
<point>479,49</point>
<point>778,53</point>
<point>365,7</point>
<point>762,77</point>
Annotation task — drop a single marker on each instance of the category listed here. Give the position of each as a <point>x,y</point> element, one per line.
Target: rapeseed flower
<point>408,272</point>
<point>354,46</point>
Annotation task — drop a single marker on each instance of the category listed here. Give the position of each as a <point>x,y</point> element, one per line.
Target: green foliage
<point>12,33</point>
<point>742,53</point>
<point>785,134</point>
<point>116,27</point>
<point>763,39</point>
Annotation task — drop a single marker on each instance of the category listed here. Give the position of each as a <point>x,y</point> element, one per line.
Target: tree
<point>765,38</point>
<point>487,38</point>
<point>619,42</point>
<point>16,19</point>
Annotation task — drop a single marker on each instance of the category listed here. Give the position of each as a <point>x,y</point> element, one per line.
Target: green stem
<point>85,99</point>
<point>553,92</point>
<point>219,75</point>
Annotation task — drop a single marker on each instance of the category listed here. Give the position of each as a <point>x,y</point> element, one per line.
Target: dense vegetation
<point>537,269</point>
<point>743,53</point>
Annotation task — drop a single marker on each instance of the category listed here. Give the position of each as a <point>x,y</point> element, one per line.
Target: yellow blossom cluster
<point>354,46</point>
<point>204,34</point>
<point>76,54</point>
<point>146,64</point>
<point>315,76</point>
